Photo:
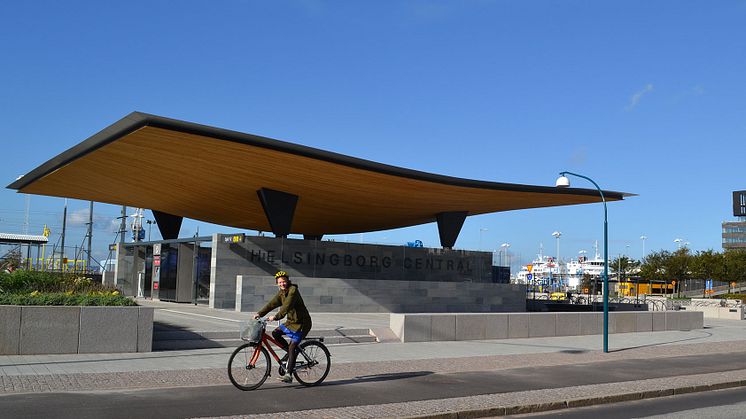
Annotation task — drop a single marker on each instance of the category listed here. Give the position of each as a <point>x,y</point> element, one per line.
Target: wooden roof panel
<point>212,175</point>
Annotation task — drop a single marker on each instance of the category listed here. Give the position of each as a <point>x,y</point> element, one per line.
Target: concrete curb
<point>525,401</point>
<point>569,404</point>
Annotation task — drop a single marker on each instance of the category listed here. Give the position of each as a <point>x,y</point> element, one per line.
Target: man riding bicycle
<point>298,322</point>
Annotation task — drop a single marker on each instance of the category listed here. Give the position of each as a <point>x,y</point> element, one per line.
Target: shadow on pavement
<point>379,377</point>
<point>707,334</point>
<point>574,351</point>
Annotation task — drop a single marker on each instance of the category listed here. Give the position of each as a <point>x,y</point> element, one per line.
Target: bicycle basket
<point>252,330</point>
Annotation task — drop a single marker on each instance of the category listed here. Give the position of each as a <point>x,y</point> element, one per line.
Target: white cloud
<point>79,218</point>
<point>690,93</point>
<point>637,96</point>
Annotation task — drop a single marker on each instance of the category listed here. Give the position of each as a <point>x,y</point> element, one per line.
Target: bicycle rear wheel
<point>248,366</point>
<point>313,363</point>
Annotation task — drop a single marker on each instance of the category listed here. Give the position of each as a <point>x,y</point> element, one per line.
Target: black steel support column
<point>169,225</point>
<point>316,237</point>
<point>279,207</point>
<point>449,225</point>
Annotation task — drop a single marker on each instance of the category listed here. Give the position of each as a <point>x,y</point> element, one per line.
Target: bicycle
<point>250,365</point>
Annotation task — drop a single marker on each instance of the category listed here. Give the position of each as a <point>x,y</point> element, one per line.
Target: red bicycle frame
<point>266,339</point>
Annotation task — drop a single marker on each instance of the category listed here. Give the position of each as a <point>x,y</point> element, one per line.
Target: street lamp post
<point>504,248</point>
<point>564,182</point>
<point>643,238</point>
<point>557,235</point>
<point>150,224</point>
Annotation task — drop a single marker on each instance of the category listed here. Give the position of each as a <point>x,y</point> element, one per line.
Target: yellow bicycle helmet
<point>281,274</point>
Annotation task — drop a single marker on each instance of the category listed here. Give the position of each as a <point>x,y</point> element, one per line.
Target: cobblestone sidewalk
<point>98,381</point>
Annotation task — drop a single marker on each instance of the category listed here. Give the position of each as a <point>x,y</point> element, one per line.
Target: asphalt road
<point>729,403</point>
<point>365,390</point>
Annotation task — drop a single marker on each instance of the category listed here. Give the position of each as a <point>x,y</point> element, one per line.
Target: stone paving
<point>97,380</point>
<point>206,367</point>
<point>526,401</point>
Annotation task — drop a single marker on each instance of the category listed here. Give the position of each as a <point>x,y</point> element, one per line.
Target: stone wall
<point>26,330</point>
<point>391,296</point>
<point>474,326</point>
<point>379,264</point>
<point>716,312</point>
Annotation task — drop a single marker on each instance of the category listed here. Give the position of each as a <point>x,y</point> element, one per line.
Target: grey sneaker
<point>287,378</point>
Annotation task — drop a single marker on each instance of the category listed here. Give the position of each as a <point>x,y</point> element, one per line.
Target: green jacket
<point>291,305</point>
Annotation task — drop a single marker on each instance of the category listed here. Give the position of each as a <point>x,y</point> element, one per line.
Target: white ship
<point>546,272</point>
<point>576,268</point>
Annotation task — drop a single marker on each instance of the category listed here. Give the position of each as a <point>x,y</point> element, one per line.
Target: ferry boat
<point>576,268</point>
<point>546,272</point>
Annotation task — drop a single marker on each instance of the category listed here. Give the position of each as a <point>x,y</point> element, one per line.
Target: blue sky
<point>643,97</point>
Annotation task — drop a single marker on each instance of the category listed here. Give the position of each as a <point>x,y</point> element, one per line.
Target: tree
<point>623,265</point>
<point>678,267</point>
<point>654,267</point>
<point>708,264</point>
<point>735,265</point>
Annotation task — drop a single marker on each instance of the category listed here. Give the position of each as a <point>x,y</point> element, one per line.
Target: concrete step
<point>185,344</point>
<point>169,340</point>
<point>177,334</point>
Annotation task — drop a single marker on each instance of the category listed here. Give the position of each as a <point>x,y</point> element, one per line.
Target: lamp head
<point>562,181</point>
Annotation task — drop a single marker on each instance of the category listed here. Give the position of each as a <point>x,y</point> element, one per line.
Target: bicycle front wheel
<point>248,366</point>
<point>313,363</point>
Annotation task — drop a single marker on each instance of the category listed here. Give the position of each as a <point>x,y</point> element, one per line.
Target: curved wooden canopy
<point>213,175</point>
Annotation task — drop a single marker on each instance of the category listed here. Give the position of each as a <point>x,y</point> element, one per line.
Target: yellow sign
<point>530,268</point>
<point>732,284</point>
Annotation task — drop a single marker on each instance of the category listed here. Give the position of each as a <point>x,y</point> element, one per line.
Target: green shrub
<point>22,281</point>
<point>62,299</point>
<point>22,287</point>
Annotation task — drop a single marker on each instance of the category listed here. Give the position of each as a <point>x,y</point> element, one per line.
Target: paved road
<point>712,404</point>
<point>367,391</point>
<point>390,379</point>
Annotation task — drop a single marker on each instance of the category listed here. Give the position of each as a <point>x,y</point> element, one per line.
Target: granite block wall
<point>360,276</point>
<point>107,330</point>
<point>337,295</point>
<point>49,330</point>
<point>10,329</point>
<point>425,327</point>
<point>69,330</point>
